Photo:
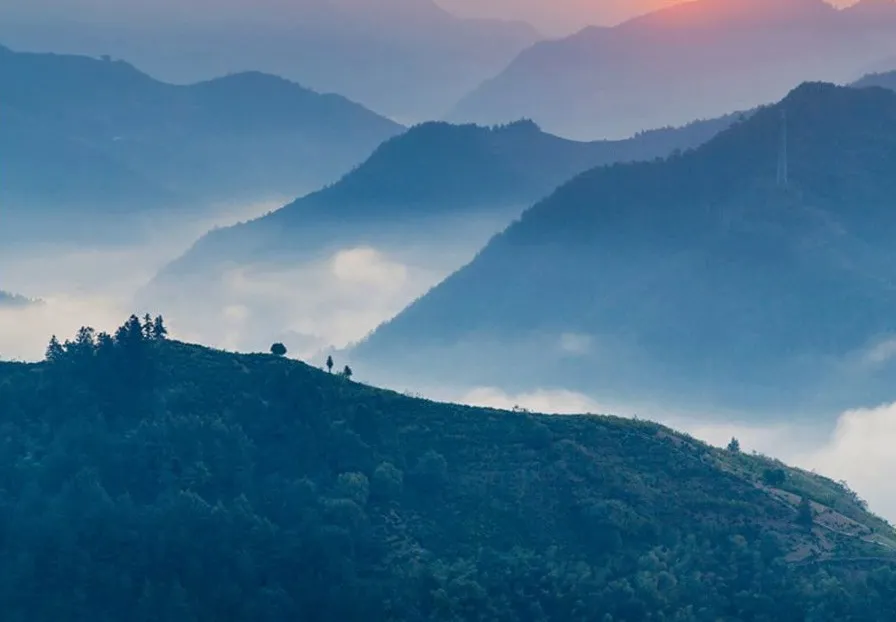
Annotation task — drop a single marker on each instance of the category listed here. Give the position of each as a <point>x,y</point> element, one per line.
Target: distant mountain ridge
<point>885,80</point>
<point>433,171</point>
<point>648,71</point>
<point>13,300</point>
<point>693,282</point>
<point>102,137</point>
<point>424,203</point>
<point>407,59</point>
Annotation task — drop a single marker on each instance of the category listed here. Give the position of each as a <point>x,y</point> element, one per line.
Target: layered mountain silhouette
<point>705,280</point>
<point>420,207</point>
<point>406,58</point>
<point>100,137</point>
<point>692,60</point>
<point>434,173</point>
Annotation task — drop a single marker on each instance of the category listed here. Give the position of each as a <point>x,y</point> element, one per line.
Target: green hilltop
<point>147,479</point>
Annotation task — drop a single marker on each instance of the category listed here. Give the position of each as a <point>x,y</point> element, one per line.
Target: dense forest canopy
<point>147,479</point>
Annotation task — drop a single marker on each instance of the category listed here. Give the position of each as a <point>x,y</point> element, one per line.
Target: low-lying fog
<point>339,299</point>
<point>332,301</point>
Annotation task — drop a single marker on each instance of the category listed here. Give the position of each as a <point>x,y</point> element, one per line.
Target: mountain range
<point>409,59</point>
<point>427,199</point>
<point>698,282</point>
<point>434,171</point>
<point>84,137</point>
<point>695,59</point>
<point>737,272</point>
<point>133,465</point>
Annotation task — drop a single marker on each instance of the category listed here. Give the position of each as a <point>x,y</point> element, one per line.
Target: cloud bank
<point>310,307</point>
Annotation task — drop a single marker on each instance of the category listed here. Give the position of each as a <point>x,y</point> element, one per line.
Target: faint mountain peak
<point>521,125</point>
<point>711,13</point>
<point>872,8</point>
<point>810,91</point>
<point>867,5</point>
<point>810,97</point>
<point>252,80</point>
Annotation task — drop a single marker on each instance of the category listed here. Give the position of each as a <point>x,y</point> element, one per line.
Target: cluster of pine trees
<point>130,337</point>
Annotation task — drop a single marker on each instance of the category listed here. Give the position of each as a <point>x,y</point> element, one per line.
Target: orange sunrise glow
<point>559,17</point>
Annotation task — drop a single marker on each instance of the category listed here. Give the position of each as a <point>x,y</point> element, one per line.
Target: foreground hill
<point>691,282</point>
<point>697,58</point>
<point>149,480</point>
<point>98,137</point>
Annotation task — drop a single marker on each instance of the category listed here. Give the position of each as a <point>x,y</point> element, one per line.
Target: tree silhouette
<point>130,335</point>
<point>147,327</point>
<point>347,372</point>
<point>278,349</point>
<point>159,332</point>
<point>55,351</point>
<point>734,446</point>
<point>330,364</point>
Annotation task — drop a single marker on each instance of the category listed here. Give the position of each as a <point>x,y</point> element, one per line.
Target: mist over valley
<point>279,341</point>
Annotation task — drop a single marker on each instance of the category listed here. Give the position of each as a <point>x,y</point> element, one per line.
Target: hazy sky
<point>564,16</point>
<point>552,17</point>
<point>555,16</point>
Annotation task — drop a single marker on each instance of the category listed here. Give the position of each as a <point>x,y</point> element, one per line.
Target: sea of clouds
<point>338,299</point>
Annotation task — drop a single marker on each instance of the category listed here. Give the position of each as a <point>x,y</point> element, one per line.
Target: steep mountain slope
<point>87,134</point>
<point>406,58</point>
<point>695,59</point>
<point>155,480</point>
<point>434,171</point>
<point>690,282</point>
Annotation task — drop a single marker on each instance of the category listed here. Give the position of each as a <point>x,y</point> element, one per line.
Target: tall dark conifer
<point>159,332</point>
<point>55,351</point>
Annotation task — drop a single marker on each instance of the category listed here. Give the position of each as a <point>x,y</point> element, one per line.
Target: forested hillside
<point>144,479</point>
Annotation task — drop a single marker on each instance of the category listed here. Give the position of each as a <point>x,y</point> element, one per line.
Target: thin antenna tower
<point>783,158</point>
